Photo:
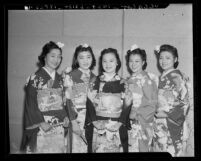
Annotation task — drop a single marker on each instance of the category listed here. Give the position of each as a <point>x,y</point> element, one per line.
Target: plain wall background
<point>29,30</point>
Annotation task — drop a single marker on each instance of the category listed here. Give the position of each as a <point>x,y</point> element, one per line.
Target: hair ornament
<point>133,47</point>
<point>157,48</point>
<point>85,45</point>
<point>61,45</point>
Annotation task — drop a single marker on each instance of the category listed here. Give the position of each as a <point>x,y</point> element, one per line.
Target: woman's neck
<point>84,70</point>
<point>136,73</point>
<point>50,70</point>
<point>109,74</point>
<point>167,71</point>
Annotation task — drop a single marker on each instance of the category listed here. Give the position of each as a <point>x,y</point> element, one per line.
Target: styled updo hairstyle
<point>81,48</point>
<point>45,50</point>
<point>106,51</point>
<point>141,53</point>
<point>172,50</point>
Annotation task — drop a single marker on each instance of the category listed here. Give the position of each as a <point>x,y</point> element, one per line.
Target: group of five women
<point>78,112</point>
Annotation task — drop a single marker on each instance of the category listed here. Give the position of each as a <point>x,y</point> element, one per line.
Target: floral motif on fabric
<point>49,99</point>
<point>173,98</point>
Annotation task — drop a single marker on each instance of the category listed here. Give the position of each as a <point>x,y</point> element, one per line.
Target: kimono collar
<point>165,73</point>
<point>108,77</point>
<point>52,75</point>
<point>138,75</point>
<point>87,72</point>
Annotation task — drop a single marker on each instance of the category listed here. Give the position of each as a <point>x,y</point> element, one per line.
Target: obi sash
<point>110,105</point>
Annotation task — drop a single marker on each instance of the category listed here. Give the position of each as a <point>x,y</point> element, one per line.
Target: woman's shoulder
<point>35,75</point>
<point>175,73</point>
<point>75,75</point>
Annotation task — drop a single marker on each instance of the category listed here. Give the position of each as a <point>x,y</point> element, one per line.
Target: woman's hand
<point>66,122</point>
<point>45,126</point>
<point>76,127</point>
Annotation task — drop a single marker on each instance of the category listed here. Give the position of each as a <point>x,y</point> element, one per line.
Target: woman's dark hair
<point>80,48</point>
<point>45,50</point>
<point>170,49</point>
<point>141,53</point>
<point>106,51</point>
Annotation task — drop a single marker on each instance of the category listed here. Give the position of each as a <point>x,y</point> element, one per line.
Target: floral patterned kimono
<point>105,104</point>
<point>173,98</point>
<point>44,103</point>
<point>81,80</point>
<point>144,104</point>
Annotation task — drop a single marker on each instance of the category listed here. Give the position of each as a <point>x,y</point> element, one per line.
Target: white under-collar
<point>108,77</point>
<point>165,73</point>
<point>52,75</point>
<point>85,71</point>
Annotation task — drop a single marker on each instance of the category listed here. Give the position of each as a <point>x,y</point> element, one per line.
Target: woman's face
<point>84,59</point>
<point>135,63</point>
<point>109,63</point>
<point>166,60</point>
<point>53,59</point>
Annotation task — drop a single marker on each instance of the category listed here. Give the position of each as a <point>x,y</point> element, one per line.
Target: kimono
<point>143,87</point>
<point>173,99</point>
<point>44,103</point>
<point>80,83</point>
<point>105,104</point>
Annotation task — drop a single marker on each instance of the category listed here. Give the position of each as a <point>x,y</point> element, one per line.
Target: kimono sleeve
<point>176,114</point>
<point>149,100</point>
<point>72,114</point>
<point>124,117</point>
<point>32,114</point>
<point>90,109</point>
<point>90,112</point>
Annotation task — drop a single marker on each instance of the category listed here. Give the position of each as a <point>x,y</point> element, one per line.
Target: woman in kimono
<point>173,101</point>
<point>77,81</point>
<point>44,115</point>
<point>107,114</point>
<point>144,101</point>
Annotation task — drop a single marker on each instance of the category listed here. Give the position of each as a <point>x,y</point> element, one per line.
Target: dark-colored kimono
<point>173,99</point>
<point>44,103</point>
<point>106,105</point>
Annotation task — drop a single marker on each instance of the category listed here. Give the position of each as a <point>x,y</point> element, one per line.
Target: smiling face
<point>109,63</point>
<point>167,60</point>
<point>84,60</point>
<point>135,63</point>
<point>53,59</point>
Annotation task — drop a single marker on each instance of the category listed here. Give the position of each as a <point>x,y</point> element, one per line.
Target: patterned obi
<point>80,95</point>
<point>49,99</point>
<point>110,105</point>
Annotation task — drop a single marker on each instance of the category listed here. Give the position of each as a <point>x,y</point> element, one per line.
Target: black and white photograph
<point>101,80</point>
